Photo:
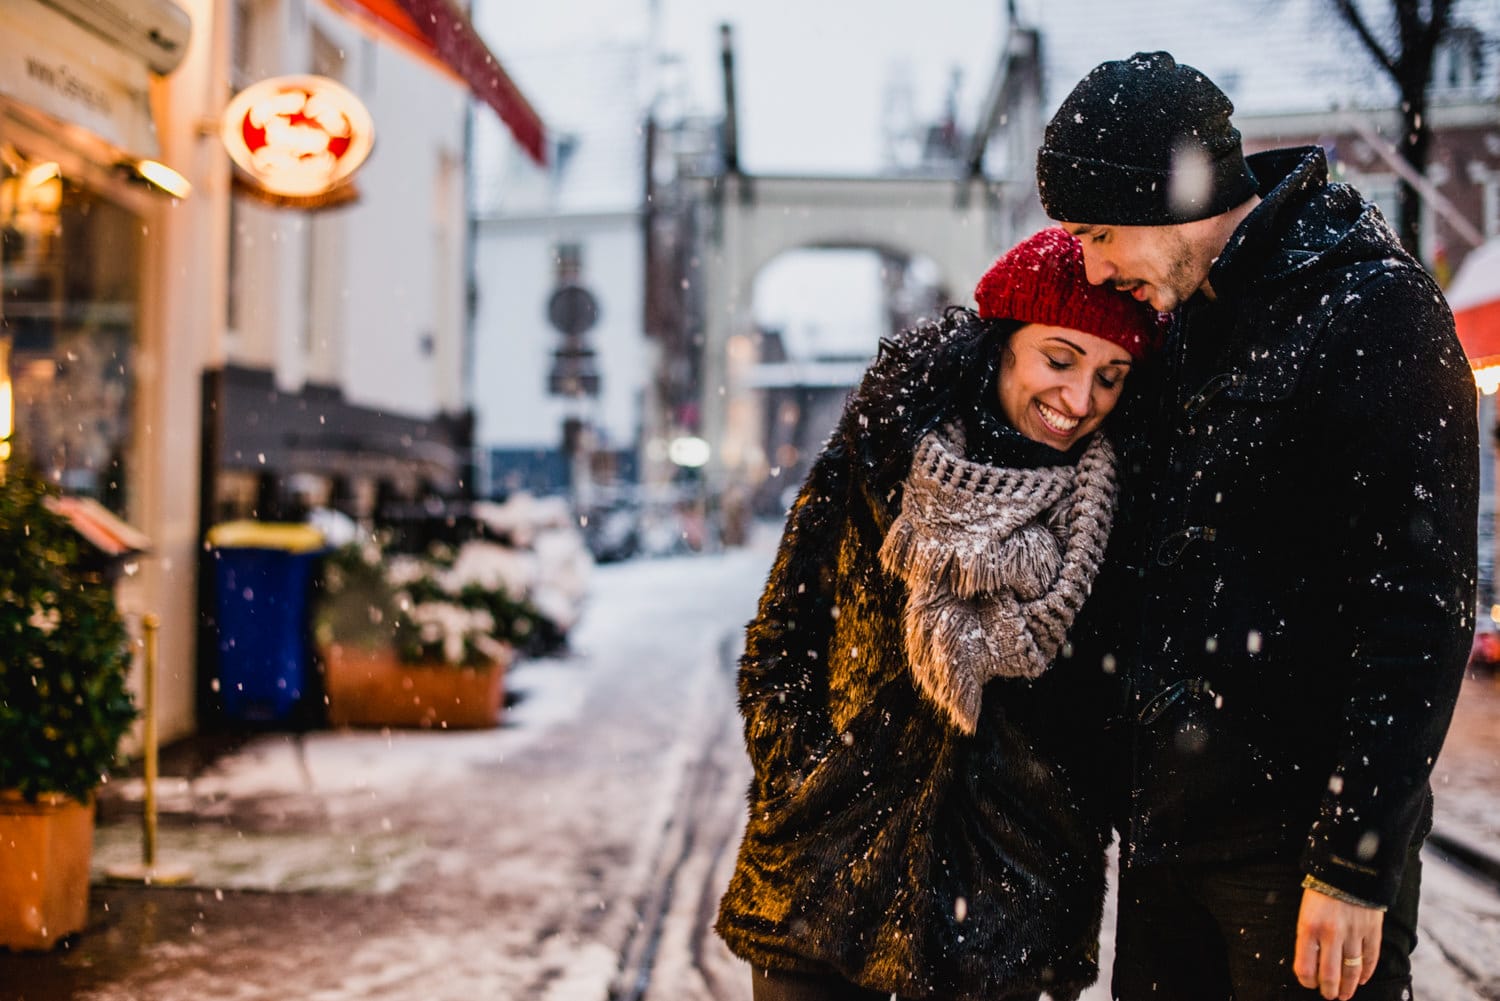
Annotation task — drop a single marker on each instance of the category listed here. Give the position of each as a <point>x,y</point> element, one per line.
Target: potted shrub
<point>405,641</point>
<point>64,709</point>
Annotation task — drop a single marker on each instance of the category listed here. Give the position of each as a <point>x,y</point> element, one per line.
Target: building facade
<point>112,289</point>
<point>344,342</point>
<point>559,411</point>
<point>193,353</point>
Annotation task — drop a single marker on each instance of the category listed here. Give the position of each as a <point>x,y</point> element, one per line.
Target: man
<point>1290,593</point>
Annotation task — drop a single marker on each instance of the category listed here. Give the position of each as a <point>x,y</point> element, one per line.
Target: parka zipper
<point>1167,697</point>
<point>1173,546</point>
<point>1213,387</point>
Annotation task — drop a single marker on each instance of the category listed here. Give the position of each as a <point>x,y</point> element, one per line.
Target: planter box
<point>373,688</point>
<point>45,849</point>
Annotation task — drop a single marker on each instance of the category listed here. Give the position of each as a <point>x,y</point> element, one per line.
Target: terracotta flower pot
<point>373,688</point>
<point>45,849</point>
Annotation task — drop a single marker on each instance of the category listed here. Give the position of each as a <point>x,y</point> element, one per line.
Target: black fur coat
<point>883,845</point>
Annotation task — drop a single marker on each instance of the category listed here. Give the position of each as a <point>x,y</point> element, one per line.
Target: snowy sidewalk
<point>1466,779</point>
<point>575,853</point>
<point>521,862</point>
<point>281,812</point>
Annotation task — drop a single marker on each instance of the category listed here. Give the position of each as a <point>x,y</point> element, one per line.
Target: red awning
<point>1479,331</point>
<point>438,32</point>
<point>1475,298</point>
<point>97,524</point>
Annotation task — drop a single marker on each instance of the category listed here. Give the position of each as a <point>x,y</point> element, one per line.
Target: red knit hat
<point>1041,280</point>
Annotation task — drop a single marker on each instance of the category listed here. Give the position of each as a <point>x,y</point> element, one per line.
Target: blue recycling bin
<point>263,575</point>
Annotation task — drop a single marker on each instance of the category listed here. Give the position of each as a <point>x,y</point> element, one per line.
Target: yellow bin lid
<point>290,537</point>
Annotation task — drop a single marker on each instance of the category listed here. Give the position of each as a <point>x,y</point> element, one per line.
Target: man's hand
<point>1331,935</point>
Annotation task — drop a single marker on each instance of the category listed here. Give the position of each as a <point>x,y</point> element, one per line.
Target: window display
<point>69,303</point>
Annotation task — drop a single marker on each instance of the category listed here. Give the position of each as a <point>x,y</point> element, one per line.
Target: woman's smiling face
<point>1058,384</point>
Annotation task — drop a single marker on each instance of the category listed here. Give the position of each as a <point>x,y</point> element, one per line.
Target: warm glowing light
<point>297,135</point>
<point>161,176</point>
<point>1488,379</point>
<point>40,174</point>
<point>7,417</point>
<point>36,190</point>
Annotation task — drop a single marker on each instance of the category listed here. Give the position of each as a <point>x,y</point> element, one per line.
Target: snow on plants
<point>525,586</point>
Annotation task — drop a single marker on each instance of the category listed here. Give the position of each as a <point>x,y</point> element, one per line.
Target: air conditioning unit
<point>154,31</point>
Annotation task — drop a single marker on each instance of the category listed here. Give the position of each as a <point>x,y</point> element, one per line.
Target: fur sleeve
<point>783,674</point>
<point>906,393</point>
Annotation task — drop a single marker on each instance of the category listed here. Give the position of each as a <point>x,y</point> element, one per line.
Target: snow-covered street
<point>576,853</point>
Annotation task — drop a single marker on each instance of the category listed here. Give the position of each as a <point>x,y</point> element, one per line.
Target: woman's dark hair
<point>882,420</point>
<point>996,333</point>
<point>998,330</point>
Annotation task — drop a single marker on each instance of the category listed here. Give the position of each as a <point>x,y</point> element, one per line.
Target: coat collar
<point>1285,175</point>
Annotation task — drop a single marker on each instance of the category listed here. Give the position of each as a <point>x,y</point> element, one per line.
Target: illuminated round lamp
<point>297,135</point>
<point>689,451</point>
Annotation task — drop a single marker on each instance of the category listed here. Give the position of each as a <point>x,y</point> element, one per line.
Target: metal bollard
<point>148,871</point>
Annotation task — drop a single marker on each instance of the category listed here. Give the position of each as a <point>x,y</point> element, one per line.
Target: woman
<point>917,829</point>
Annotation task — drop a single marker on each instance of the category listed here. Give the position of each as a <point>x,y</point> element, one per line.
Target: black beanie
<point>1142,142</point>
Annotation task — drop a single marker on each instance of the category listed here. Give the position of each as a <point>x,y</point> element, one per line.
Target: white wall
<point>405,242</point>
<point>182,334</point>
<point>592,97</point>
<point>269,245</point>
<point>513,341</point>
<point>369,296</point>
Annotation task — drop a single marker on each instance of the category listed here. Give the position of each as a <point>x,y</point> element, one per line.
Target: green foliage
<point>354,603</point>
<point>64,652</point>
<point>516,619</point>
<point>416,606</point>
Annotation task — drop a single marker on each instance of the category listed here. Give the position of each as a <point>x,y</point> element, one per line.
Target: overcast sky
<point>812,79</point>
<point>811,75</point>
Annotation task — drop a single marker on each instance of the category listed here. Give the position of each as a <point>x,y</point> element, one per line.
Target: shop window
<point>69,298</point>
<point>1458,63</point>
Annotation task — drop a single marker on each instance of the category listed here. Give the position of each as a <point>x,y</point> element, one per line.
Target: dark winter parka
<point>882,844</point>
<point>1292,572</point>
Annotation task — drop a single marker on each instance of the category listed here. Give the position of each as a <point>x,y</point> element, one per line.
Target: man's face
<point>1162,265</point>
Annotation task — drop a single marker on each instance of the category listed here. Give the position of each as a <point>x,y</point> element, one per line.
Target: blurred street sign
<point>573,309</point>
<point>574,372</point>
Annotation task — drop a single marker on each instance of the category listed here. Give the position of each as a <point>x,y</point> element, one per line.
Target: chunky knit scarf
<point>997,561</point>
